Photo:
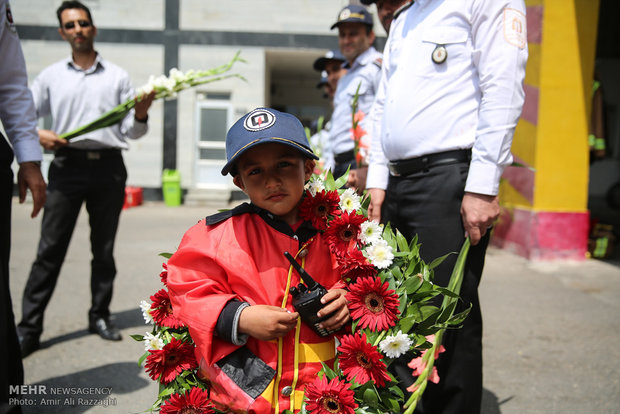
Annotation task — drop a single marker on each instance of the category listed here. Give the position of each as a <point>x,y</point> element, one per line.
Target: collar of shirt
<point>98,63</point>
<point>362,60</point>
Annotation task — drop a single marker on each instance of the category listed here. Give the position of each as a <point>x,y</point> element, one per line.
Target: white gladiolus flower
<point>394,346</point>
<point>146,312</point>
<point>153,342</point>
<point>370,232</point>
<point>380,254</point>
<point>176,75</point>
<point>315,186</point>
<point>350,201</point>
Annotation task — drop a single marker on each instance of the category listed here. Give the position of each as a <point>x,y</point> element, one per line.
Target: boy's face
<point>273,176</point>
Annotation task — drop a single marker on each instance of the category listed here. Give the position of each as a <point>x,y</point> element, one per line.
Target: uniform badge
<point>515,28</point>
<point>440,54</point>
<point>345,14</point>
<point>258,120</point>
<point>9,18</point>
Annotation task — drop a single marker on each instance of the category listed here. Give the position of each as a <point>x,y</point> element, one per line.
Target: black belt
<point>89,154</point>
<point>344,157</point>
<point>417,164</point>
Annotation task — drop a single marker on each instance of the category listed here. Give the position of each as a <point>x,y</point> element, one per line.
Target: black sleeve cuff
<point>227,324</point>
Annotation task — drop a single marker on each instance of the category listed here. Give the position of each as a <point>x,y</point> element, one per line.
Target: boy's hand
<point>266,322</point>
<point>334,301</point>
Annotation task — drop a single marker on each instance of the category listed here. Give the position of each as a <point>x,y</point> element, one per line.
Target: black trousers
<point>428,204</point>
<point>11,369</point>
<point>76,177</point>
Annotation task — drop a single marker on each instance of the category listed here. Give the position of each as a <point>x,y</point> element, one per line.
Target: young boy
<point>229,280</point>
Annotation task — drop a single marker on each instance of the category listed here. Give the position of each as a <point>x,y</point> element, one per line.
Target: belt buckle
<point>93,155</point>
<point>393,170</point>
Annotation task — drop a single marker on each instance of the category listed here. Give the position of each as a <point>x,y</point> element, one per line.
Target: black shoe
<point>105,329</point>
<point>28,344</point>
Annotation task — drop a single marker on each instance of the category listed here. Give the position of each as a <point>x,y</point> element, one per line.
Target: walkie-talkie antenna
<point>302,272</point>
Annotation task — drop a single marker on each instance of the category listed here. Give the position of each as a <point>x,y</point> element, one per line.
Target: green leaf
<point>439,260</point>
<point>166,255</point>
<point>142,358</point>
<point>412,284</point>
<point>371,398</point>
<point>138,338</point>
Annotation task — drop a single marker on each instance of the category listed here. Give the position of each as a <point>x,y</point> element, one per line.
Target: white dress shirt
<point>365,71</point>
<point>74,97</point>
<point>16,107</point>
<point>471,100</point>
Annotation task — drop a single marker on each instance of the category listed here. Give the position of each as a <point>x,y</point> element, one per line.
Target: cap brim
<point>303,149</point>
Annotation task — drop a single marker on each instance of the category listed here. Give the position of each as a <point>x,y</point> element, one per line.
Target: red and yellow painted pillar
<point>545,212</point>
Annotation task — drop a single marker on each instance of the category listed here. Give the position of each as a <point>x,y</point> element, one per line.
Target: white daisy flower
<point>153,342</point>
<point>315,186</point>
<point>146,312</point>
<point>349,201</point>
<point>394,346</point>
<point>370,232</point>
<point>380,254</point>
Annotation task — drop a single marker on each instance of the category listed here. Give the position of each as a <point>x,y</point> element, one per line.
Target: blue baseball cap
<point>261,126</point>
<point>320,63</point>
<point>354,13</point>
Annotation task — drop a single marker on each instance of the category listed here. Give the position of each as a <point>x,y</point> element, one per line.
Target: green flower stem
<point>379,338</point>
<point>456,280</point>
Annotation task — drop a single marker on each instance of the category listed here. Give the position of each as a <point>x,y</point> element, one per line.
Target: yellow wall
<point>561,67</point>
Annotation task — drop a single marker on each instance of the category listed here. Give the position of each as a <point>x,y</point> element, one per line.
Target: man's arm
<point>18,115</point>
<point>500,55</point>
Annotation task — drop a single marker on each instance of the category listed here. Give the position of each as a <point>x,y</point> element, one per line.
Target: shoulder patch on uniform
<point>225,215</point>
<point>402,9</point>
<point>378,62</point>
<point>515,28</point>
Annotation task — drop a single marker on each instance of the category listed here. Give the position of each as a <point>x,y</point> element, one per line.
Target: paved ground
<point>550,341</point>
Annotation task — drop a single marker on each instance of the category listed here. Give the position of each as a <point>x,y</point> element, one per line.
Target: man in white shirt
<point>450,97</point>
<point>88,169</point>
<point>17,116</point>
<point>355,38</point>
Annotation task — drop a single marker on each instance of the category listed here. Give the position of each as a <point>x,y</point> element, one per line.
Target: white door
<point>213,121</point>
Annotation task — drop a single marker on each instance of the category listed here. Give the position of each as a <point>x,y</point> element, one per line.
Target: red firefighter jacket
<point>238,255</point>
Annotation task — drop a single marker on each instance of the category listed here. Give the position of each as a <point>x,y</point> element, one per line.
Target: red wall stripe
<point>534,24</point>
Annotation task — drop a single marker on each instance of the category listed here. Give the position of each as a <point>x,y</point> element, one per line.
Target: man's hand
<point>265,322</point>
<point>377,196</point>
<point>479,212</point>
<point>334,301</point>
<point>29,177</point>
<point>143,103</point>
<point>50,141</point>
<point>357,179</point>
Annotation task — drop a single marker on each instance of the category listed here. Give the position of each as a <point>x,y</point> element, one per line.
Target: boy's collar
<point>303,233</point>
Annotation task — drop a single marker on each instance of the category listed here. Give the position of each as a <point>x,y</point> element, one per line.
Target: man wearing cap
<point>363,61</point>
<point>388,10</point>
<point>451,94</point>
<point>330,66</point>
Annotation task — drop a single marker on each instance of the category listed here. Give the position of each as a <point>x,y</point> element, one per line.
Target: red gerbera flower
<point>195,401</point>
<point>175,357</point>
<point>317,209</point>
<point>164,274</point>
<point>333,397</point>
<point>161,310</point>
<point>343,231</point>
<point>354,265</point>
<point>361,360</point>
<point>373,304</point>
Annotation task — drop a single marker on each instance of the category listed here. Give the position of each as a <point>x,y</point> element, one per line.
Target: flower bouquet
<point>393,313</point>
<point>164,87</point>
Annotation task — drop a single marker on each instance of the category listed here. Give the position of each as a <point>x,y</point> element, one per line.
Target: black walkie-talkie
<point>307,298</point>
